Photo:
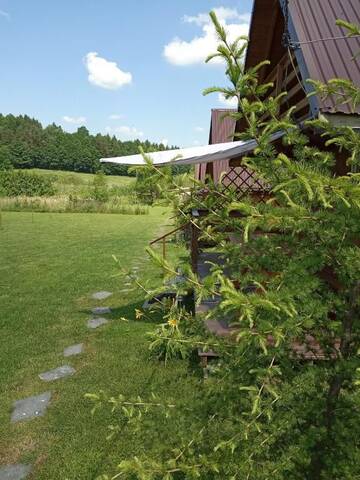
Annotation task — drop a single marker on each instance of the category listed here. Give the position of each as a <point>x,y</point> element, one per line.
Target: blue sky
<point>130,68</point>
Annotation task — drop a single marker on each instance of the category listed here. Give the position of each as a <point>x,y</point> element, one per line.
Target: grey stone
<point>30,407</point>
<point>14,472</point>
<point>101,310</point>
<point>56,373</point>
<point>101,295</point>
<point>96,322</point>
<point>73,350</point>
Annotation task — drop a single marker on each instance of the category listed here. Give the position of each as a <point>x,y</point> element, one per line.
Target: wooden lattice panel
<point>243,182</point>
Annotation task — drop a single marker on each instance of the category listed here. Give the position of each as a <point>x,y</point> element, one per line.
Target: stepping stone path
<point>30,407</point>
<point>96,322</point>
<point>14,472</point>
<point>101,295</point>
<point>101,310</point>
<point>73,350</point>
<point>56,373</point>
<point>36,406</point>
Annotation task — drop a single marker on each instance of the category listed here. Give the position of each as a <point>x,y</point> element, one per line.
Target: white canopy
<point>192,155</point>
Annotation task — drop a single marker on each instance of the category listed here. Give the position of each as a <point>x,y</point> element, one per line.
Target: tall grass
<point>72,204</point>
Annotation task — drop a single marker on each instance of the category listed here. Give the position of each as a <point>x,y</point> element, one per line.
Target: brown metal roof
<point>316,19</point>
<point>222,127</point>
<point>310,21</point>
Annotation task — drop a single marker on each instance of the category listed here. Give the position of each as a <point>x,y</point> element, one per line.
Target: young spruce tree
<point>291,285</point>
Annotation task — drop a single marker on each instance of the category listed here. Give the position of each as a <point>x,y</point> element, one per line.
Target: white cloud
<point>5,14</point>
<point>222,13</point>
<point>74,120</point>
<point>199,129</point>
<point>105,74</point>
<point>229,102</point>
<point>165,142</point>
<point>124,132</point>
<point>196,142</point>
<point>183,52</point>
<point>116,116</point>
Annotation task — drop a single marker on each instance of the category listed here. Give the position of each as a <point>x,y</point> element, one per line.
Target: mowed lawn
<point>50,264</point>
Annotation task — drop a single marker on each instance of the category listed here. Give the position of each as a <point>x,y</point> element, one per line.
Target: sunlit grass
<point>50,264</point>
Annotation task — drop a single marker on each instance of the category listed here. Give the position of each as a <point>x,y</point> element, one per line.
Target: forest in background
<point>25,143</point>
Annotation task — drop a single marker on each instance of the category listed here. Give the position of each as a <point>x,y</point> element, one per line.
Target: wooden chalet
<point>301,40</point>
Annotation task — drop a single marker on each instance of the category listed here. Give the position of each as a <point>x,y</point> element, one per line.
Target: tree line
<point>25,143</point>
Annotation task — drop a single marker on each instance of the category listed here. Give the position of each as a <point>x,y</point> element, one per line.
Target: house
<point>301,40</point>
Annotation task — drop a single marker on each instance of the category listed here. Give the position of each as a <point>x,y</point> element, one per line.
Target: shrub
<point>19,183</point>
<point>99,190</point>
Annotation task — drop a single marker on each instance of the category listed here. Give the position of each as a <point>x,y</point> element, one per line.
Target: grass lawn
<point>50,264</point>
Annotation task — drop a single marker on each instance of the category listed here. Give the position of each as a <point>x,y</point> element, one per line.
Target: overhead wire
<point>317,40</point>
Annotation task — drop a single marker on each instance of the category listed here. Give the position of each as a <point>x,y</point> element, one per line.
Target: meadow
<point>50,265</point>
<point>78,193</point>
<point>77,182</point>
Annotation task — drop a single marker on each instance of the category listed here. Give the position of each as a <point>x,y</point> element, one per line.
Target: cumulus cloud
<point>182,52</point>
<point>105,74</point>
<point>116,116</point>
<point>74,120</point>
<point>125,132</point>
<point>199,129</point>
<point>228,102</point>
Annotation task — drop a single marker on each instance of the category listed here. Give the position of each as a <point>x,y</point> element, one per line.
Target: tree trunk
<point>317,462</point>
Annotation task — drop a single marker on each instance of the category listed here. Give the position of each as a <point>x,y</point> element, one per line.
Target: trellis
<point>243,182</point>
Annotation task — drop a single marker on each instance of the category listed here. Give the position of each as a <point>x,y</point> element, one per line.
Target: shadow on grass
<point>129,312</point>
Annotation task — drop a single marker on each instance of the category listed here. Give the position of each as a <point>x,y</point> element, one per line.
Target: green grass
<point>50,264</point>
<point>75,182</point>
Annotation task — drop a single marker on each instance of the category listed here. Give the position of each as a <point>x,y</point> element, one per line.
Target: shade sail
<point>192,155</point>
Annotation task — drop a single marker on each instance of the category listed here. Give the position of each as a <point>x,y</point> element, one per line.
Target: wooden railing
<point>165,236</point>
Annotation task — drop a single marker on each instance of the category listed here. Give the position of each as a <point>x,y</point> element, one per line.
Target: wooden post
<point>194,247</point>
<point>278,80</point>
<point>164,248</point>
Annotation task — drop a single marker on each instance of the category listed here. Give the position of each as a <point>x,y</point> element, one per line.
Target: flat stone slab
<point>30,407</point>
<point>14,472</point>
<point>74,350</point>
<point>96,322</point>
<point>101,310</point>
<point>56,373</point>
<point>101,295</point>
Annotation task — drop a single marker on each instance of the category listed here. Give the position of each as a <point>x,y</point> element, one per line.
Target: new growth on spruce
<point>289,287</point>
